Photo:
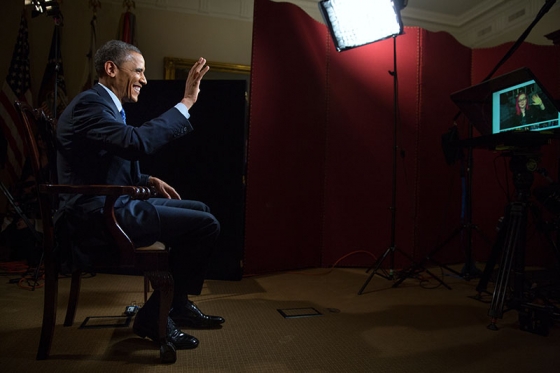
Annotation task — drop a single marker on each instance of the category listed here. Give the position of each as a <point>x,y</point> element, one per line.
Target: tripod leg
<point>494,254</point>
<point>375,268</point>
<point>436,278</point>
<point>482,235</point>
<point>470,270</point>
<point>514,239</point>
<point>421,265</point>
<point>482,286</point>
<point>408,273</point>
<point>554,243</point>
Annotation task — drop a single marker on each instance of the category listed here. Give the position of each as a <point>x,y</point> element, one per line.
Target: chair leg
<point>146,288</point>
<point>73,297</point>
<point>49,309</point>
<point>162,282</point>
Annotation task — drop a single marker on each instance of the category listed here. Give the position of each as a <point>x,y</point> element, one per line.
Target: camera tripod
<point>510,289</point>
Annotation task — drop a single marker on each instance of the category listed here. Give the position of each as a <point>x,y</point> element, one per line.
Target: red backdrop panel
<point>286,140</point>
<point>444,68</point>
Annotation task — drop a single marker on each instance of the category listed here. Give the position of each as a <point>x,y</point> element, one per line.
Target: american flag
<point>89,73</point>
<point>15,87</point>
<point>127,27</point>
<point>54,72</point>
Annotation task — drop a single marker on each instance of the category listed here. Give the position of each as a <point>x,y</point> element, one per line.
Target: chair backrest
<point>40,150</point>
<point>29,118</point>
<point>46,141</point>
<point>37,128</point>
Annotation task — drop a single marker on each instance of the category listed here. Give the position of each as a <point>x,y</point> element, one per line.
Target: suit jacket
<point>95,147</point>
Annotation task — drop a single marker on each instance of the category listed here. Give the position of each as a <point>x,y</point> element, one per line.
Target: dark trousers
<point>191,231</point>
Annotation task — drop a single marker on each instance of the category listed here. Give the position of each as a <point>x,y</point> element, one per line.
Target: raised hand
<point>536,100</point>
<point>192,85</point>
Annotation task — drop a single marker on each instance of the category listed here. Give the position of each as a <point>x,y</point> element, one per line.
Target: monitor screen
<point>523,107</point>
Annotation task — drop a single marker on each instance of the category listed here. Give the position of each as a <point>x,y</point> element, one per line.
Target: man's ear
<point>110,68</point>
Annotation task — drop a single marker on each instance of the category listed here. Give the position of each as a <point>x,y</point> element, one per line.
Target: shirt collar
<point>114,97</point>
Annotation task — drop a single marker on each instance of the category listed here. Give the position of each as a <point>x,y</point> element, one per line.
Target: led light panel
<point>353,23</point>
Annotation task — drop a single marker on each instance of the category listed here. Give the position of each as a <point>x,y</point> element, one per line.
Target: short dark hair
<point>114,50</point>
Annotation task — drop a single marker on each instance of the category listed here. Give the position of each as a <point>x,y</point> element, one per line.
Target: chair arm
<point>112,193</point>
<point>135,192</point>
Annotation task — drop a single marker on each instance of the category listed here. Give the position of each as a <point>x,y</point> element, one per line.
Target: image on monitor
<point>523,107</point>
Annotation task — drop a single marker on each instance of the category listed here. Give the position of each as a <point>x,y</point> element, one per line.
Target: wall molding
<point>480,25</point>
<point>231,9</point>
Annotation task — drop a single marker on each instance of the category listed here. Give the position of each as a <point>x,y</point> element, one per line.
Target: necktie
<point>123,115</point>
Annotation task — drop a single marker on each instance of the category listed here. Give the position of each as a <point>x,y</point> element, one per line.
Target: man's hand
<point>192,86</point>
<point>162,188</point>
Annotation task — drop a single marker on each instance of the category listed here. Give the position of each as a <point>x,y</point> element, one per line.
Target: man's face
<point>129,78</point>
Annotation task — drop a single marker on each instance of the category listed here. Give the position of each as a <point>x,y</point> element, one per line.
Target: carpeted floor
<point>308,321</point>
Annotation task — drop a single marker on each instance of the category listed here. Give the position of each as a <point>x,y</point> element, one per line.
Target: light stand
<point>353,23</point>
<point>390,252</point>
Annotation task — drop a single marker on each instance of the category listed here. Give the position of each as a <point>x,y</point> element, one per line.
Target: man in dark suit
<point>95,146</point>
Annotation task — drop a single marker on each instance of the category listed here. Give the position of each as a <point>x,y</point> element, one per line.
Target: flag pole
<point>57,17</point>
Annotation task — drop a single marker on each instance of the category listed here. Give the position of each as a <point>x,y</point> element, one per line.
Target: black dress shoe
<point>188,314</point>
<point>180,340</point>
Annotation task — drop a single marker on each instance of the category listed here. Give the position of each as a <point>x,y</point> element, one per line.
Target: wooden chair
<point>152,261</point>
